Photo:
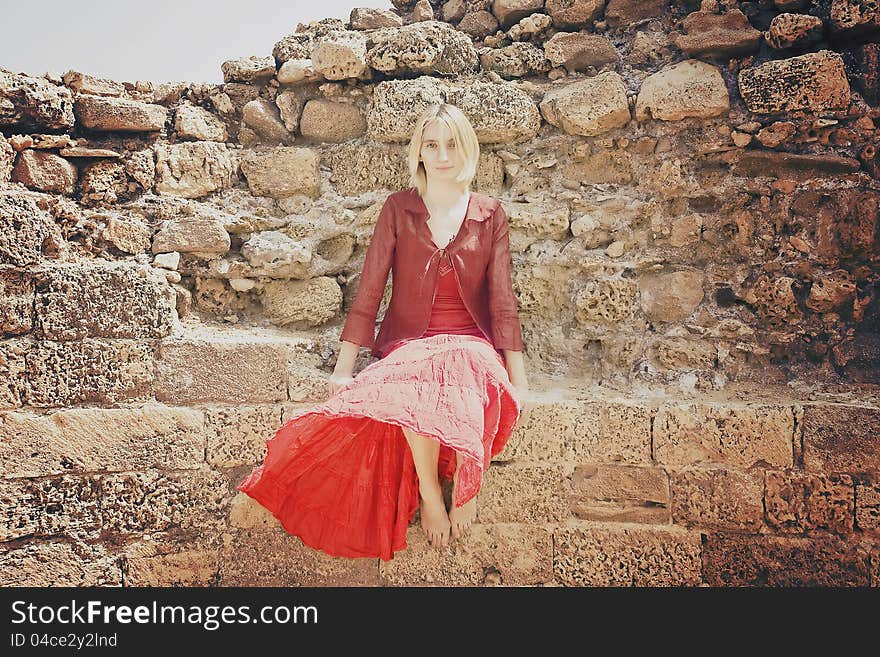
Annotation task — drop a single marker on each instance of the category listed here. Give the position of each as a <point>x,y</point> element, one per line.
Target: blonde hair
<point>465,141</point>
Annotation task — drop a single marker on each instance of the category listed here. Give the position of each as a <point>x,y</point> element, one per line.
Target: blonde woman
<point>449,385</point>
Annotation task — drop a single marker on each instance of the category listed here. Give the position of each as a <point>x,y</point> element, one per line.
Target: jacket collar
<point>480,206</point>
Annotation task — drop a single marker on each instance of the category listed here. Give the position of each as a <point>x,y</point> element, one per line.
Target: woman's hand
<point>338,381</point>
<point>524,397</point>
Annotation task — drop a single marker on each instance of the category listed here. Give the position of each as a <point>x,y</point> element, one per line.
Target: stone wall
<point>693,195</point>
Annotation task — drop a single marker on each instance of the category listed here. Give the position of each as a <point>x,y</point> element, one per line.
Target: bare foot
<point>461,517</point>
<point>435,521</point>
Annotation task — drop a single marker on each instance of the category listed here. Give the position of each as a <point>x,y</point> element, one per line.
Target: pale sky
<point>159,40</point>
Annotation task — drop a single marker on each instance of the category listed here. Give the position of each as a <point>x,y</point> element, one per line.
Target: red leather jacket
<point>402,243</point>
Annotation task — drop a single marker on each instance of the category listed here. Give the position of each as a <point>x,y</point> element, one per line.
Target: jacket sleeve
<point>503,309</point>
<point>360,325</point>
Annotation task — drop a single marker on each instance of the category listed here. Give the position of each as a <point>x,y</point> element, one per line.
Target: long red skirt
<point>340,475</point>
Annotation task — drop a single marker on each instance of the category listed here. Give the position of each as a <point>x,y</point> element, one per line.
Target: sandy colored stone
<point>589,107</point>
<point>33,103</point>
<point>56,563</point>
<point>815,81</point>
<point>16,302</point>
<point>582,432</point>
<point>478,24</point>
<point>358,168</point>
<point>88,371</point>
<point>776,134</point>
<point>295,71</point>
<point>83,439</point>
<point>516,60</point>
<point>797,502</point>
<point>577,51</point>
<point>672,296</point>
<point>194,169</point>
<point>500,554</point>
<point>197,123</point>
<point>370,18</point>
<point>525,492</point>
<point>236,435</point>
<point>605,301</point>
<point>328,121</point>
<point>853,17</point>
<point>841,438</point>
<point>305,304</point>
<point>777,561</point>
<point>620,493</point>
<point>720,35</point>
<point>191,567</point>
<point>787,30</point>
<point>626,12</point>
<point>339,55</point>
<point>717,498</point>
<point>427,47</point>
<point>868,505</point>
<point>282,171</point>
<point>737,435</point>
<point>264,118</point>
<point>118,114</point>
<point>691,88</point>
<point>26,229</point>
<point>45,172</point>
<point>272,557</point>
<point>618,554</point>
<point>83,83</point>
<point>205,235</point>
<point>573,13</point>
<point>193,371</point>
<point>253,68</point>
<point>509,12</point>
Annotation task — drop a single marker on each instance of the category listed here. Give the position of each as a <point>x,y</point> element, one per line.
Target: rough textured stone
<point>478,24</point>
<point>193,122</point>
<point>192,371</point>
<point>32,103</point>
<point>600,554</point>
<point>45,172</point>
<point>787,30</point>
<point>717,498</point>
<point>754,560</point>
<point>282,171</point>
<point>148,564</point>
<point>360,168</point>
<point>325,120</point>
<point>264,119</point>
<point>339,55</point>
<point>690,433</point>
<point>573,13</point>
<point>119,114</point>
<point>505,554</point>
<point>102,301</point>
<point>237,435</point>
<point>620,493</point>
<point>868,505</point>
<point>867,73</point>
<point>16,302</point>
<point>509,12</point>
<point>370,18</point>
<point>853,17</point>
<point>816,81</point>
<point>248,69</point>
<point>838,438</point>
<point>59,563</point>
<point>576,51</point>
<point>627,12</point>
<point>82,83</point>
<point>84,439</point>
<point>305,304</point>
<point>721,35</point>
<point>88,371</point>
<point>672,296</point>
<point>429,47</point>
<point>194,169</point>
<point>203,235</point>
<point>688,88</point>
<point>272,557</point>
<point>791,165</point>
<point>590,107</point>
<point>519,492</point>
<point>604,432</point>
<point>517,60</point>
<point>798,502</point>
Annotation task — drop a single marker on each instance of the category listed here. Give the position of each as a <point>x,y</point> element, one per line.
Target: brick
<point>191,371</point>
<point>717,498</point>
<point>531,493</point>
<point>754,560</point>
<point>272,557</point>
<point>505,554</point>
<point>690,433</point>
<point>797,502</point>
<point>839,438</point>
<point>85,439</point>
<point>612,554</point>
<point>621,493</point>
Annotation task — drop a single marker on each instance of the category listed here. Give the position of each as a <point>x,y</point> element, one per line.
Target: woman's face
<point>439,153</point>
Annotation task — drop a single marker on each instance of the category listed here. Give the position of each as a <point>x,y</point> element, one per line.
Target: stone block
<point>839,438</point>
<point>525,492</point>
<point>56,563</point>
<point>620,493</point>
<point>717,498</point>
<point>798,502</point>
<point>237,435</point>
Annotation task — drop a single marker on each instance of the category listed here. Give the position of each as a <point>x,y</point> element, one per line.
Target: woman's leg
<point>461,517</point>
<point>435,521</point>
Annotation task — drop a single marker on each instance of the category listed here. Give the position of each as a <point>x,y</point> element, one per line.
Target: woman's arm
<point>516,368</point>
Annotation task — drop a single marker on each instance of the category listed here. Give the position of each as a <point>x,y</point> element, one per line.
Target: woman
<point>347,475</point>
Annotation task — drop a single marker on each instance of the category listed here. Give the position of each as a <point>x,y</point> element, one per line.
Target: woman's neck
<point>442,192</point>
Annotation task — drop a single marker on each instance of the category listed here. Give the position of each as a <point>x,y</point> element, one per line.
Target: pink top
<point>449,314</point>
